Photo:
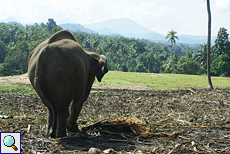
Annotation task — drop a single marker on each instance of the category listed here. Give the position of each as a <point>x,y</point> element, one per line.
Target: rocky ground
<point>127,121</point>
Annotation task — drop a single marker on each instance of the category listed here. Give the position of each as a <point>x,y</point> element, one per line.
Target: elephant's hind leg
<point>62,115</point>
<point>75,111</point>
<point>52,124</point>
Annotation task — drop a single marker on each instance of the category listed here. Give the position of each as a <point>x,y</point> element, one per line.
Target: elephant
<point>62,73</point>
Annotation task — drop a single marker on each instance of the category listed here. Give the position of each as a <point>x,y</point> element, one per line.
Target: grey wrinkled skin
<point>61,72</point>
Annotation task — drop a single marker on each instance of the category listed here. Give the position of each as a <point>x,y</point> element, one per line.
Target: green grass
<point>97,91</point>
<point>150,80</point>
<point>22,89</point>
<point>7,87</point>
<point>161,81</point>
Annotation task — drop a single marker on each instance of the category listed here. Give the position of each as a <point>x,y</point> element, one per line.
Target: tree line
<point>123,54</point>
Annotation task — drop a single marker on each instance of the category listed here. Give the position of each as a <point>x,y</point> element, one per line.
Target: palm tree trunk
<point>210,86</point>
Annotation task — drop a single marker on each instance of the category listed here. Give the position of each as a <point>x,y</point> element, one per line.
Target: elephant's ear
<point>101,67</point>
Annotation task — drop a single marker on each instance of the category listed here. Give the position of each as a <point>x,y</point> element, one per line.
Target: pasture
<point>155,81</point>
<point>174,113</point>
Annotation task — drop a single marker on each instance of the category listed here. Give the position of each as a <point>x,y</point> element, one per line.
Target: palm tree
<point>201,57</point>
<point>210,86</point>
<point>171,36</point>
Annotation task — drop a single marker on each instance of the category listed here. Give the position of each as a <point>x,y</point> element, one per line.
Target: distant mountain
<point>151,36</point>
<point>13,21</point>
<point>10,20</point>
<point>76,27</point>
<point>125,27</point>
<point>189,39</point>
<point>129,28</point>
<point>107,31</point>
<point>122,26</point>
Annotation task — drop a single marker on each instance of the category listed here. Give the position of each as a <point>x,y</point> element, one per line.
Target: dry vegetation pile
<point>182,121</point>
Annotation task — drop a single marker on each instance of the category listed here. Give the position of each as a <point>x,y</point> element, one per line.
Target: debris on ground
<point>127,121</point>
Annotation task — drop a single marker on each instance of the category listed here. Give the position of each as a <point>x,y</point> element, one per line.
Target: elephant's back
<point>63,34</point>
<point>64,66</point>
<point>64,58</point>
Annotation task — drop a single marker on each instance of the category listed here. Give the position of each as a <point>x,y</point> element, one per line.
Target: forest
<point>123,54</point>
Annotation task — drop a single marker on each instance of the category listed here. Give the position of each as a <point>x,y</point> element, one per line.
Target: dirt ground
<point>16,80</point>
<point>182,121</point>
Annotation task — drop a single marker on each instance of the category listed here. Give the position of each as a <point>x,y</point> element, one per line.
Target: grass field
<point>26,90</point>
<point>144,81</point>
<point>162,81</point>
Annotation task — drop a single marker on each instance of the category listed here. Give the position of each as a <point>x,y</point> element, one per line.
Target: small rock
<point>139,152</point>
<point>94,151</point>
<point>109,151</point>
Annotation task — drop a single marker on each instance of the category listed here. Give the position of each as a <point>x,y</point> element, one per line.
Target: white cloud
<point>151,8</point>
<point>150,14</point>
<point>77,11</point>
<point>183,16</point>
<point>162,10</point>
<point>146,7</point>
<point>223,5</point>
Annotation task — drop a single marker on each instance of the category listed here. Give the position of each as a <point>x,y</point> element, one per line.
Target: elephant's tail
<point>38,80</point>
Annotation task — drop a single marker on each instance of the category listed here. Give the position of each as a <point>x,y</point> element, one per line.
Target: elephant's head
<point>102,69</point>
<point>100,66</point>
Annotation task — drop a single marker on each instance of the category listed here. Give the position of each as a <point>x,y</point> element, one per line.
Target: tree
<point>51,24</point>
<point>221,65</point>
<point>35,34</point>
<point>171,36</point>
<point>210,86</point>
<point>221,42</point>
<point>56,29</point>
<point>170,65</point>
<point>3,51</point>
<point>201,58</point>
<point>16,59</point>
<point>188,64</point>
<point>5,33</point>
<point>221,54</point>
<point>123,54</point>
<point>149,59</point>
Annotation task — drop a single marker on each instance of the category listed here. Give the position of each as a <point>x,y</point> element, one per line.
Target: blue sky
<point>183,16</point>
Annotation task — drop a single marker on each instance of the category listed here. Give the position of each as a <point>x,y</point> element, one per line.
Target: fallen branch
<point>164,134</point>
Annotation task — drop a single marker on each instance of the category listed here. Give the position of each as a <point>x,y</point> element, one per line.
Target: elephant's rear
<point>58,71</point>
